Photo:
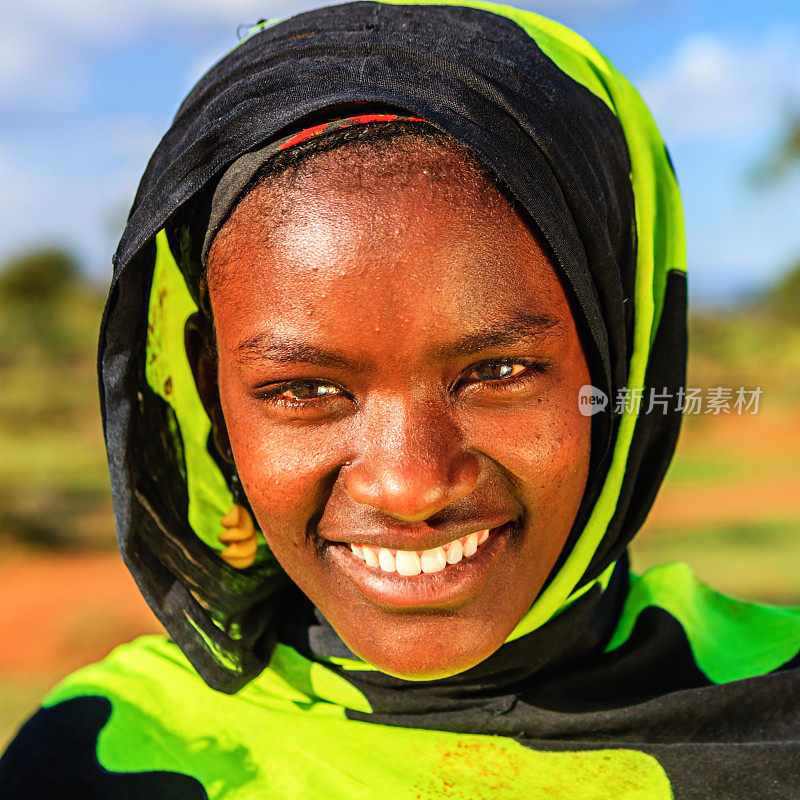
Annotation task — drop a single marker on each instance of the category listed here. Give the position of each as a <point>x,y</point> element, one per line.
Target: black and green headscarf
<point>576,147</point>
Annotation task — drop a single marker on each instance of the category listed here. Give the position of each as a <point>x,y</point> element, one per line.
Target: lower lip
<point>453,585</point>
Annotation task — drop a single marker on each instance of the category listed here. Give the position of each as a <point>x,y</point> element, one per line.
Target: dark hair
<point>367,146</point>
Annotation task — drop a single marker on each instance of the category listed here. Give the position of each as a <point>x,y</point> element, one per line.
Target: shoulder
<point>730,639</point>
<point>58,752</point>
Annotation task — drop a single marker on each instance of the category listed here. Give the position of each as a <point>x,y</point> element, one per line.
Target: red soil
<point>755,439</point>
<point>59,612</point>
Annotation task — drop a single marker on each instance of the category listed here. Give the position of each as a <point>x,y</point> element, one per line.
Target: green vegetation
<point>753,560</point>
<point>730,505</point>
<point>39,276</point>
<point>783,299</point>
<point>53,476</point>
<point>746,347</point>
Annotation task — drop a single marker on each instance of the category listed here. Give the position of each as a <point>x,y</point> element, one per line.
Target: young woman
<point>371,271</point>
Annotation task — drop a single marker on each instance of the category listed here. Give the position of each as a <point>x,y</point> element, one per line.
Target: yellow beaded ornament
<point>240,536</point>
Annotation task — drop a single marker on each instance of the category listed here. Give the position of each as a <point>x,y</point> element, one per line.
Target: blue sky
<point>88,87</point>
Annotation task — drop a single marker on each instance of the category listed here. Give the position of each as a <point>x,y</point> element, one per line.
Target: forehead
<point>425,250</point>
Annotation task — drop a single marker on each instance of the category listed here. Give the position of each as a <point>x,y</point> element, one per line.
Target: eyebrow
<point>266,346</point>
<point>518,327</point>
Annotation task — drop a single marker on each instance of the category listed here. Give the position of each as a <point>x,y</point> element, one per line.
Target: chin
<point>409,663</point>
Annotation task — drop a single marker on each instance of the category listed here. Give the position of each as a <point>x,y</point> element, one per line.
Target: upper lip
<point>421,539</point>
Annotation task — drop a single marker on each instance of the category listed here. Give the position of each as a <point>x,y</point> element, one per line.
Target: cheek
<point>544,450</point>
<point>550,468</point>
<point>559,451</point>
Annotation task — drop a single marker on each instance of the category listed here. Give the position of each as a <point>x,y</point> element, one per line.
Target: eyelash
<point>532,370</point>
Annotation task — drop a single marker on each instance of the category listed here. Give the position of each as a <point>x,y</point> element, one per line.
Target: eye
<point>504,373</point>
<point>299,394</point>
<point>494,370</point>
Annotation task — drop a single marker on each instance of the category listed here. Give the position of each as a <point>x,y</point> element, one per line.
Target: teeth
<point>370,556</point>
<point>411,562</point>
<point>358,550</point>
<point>471,545</point>
<point>454,552</point>
<point>433,560</point>
<point>386,560</point>
<point>407,562</point>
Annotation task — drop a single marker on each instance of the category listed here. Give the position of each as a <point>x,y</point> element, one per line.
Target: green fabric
<point>170,377</point>
<point>285,735</point>
<point>165,718</point>
<point>730,639</point>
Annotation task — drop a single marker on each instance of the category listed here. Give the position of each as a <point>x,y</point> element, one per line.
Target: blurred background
<point>87,88</point>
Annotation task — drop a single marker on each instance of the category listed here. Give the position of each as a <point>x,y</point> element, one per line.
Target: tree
<point>786,155</point>
<point>39,275</point>
<point>783,297</point>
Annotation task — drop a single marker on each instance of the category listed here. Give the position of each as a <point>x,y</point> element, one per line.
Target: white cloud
<point>35,71</point>
<point>45,44</point>
<point>18,55</point>
<point>95,20</point>
<point>711,88</point>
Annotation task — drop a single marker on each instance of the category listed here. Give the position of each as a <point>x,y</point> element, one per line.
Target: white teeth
<point>370,556</point>
<point>411,562</point>
<point>454,552</point>
<point>470,545</point>
<point>433,560</point>
<point>407,562</point>
<point>386,560</point>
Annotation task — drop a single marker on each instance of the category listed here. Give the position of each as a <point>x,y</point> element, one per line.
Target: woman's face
<point>398,370</point>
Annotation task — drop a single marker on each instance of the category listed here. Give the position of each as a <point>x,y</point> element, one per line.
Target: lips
<point>409,585</point>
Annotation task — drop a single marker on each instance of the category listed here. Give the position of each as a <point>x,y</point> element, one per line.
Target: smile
<point>414,562</point>
<point>440,577</point>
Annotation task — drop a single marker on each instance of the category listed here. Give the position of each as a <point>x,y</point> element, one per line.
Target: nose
<point>413,465</point>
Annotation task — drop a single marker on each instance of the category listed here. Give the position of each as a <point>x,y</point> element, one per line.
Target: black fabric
<point>54,758</point>
<point>472,74</point>
<point>579,634</point>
